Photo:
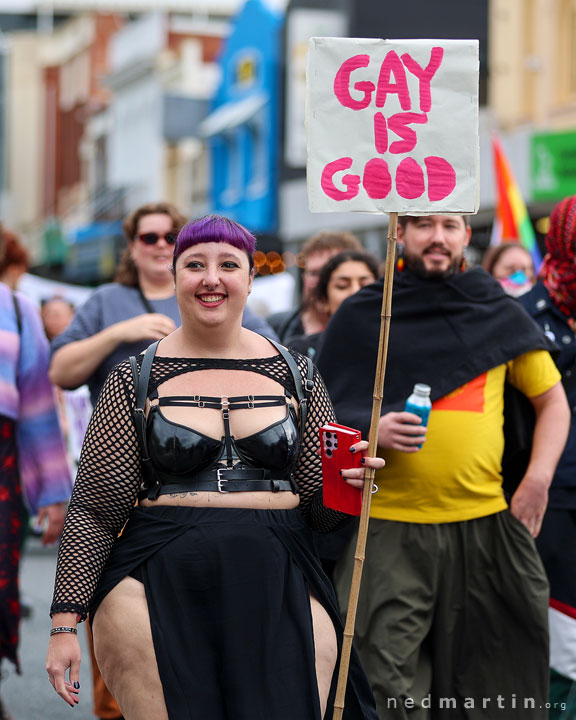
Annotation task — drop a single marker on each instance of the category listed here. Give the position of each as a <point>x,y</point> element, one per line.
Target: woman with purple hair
<point>212,603</point>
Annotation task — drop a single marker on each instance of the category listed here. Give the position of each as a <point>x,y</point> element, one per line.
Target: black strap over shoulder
<point>147,304</point>
<point>141,384</point>
<point>17,312</point>
<point>303,389</point>
<point>141,390</point>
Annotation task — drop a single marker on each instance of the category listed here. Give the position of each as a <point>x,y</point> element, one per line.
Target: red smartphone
<point>335,441</point>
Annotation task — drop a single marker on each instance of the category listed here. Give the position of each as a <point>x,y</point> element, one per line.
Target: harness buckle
<point>225,402</point>
<point>221,480</point>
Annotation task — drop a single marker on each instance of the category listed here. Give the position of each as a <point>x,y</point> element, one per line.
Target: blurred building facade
<point>104,106</point>
<point>101,114</point>
<point>533,94</point>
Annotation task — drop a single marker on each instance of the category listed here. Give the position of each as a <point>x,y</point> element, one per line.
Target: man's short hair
<point>403,220</point>
<point>330,240</point>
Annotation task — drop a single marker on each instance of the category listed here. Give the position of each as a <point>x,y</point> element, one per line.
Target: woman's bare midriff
<point>256,500</point>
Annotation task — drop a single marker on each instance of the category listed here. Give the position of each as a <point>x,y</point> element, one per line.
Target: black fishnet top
<point>109,473</point>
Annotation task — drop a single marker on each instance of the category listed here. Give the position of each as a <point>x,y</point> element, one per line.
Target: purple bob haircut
<point>215,228</point>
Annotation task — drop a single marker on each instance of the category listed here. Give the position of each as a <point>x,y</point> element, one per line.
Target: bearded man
<point>452,616</point>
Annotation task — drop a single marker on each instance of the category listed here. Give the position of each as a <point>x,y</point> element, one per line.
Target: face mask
<point>516,284</point>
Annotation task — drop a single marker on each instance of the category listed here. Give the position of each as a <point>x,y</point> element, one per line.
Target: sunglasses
<point>152,238</point>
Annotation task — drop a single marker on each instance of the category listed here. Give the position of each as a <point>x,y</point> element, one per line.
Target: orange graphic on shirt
<point>469,397</point>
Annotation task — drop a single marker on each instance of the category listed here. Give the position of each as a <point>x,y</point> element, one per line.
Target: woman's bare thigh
<point>326,649</point>
<point>125,652</point>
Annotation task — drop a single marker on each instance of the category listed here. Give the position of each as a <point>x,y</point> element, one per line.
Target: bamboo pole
<point>360,553</point>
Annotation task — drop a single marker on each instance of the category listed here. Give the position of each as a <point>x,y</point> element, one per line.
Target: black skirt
<point>228,594</point>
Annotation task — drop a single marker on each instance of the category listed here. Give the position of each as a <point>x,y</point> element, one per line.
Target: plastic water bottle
<point>419,403</point>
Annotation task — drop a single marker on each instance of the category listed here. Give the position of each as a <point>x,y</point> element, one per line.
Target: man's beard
<point>416,264</point>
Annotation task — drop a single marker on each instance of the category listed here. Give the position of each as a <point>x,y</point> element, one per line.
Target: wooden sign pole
<point>360,553</point>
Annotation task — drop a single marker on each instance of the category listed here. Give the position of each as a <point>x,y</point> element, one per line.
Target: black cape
<point>443,332</point>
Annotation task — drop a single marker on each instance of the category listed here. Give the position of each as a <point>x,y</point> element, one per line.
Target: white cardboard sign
<point>392,125</point>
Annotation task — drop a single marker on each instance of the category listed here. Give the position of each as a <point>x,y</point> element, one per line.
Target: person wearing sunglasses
<point>122,318</point>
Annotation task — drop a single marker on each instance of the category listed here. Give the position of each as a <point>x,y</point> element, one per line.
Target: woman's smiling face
<point>213,281</point>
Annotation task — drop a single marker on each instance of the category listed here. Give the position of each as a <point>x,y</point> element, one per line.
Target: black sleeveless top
<point>177,458</point>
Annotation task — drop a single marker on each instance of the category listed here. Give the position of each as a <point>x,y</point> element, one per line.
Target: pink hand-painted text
<point>394,134</point>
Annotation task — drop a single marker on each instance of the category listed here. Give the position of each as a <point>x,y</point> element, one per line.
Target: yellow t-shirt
<point>457,474</point>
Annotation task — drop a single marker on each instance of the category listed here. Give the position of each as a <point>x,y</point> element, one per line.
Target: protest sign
<point>392,125</point>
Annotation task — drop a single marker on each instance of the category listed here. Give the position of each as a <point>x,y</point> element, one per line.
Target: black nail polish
<point>77,685</point>
<point>363,461</point>
<point>340,471</point>
<point>352,449</point>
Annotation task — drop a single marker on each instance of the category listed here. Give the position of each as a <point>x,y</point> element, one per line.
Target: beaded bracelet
<point>63,629</point>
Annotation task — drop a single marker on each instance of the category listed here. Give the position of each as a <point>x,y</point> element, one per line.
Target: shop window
<point>258,178</point>
<point>232,166</point>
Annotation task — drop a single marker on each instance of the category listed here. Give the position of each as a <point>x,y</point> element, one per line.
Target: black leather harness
<point>222,478</point>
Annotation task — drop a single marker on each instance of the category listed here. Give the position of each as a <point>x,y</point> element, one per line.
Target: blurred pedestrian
<point>552,303</point>
<point>341,276</point>
<point>33,468</point>
<point>56,313</point>
<point>512,265</point>
<point>316,251</point>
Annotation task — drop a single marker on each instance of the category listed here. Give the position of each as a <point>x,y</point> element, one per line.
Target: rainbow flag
<point>511,221</point>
